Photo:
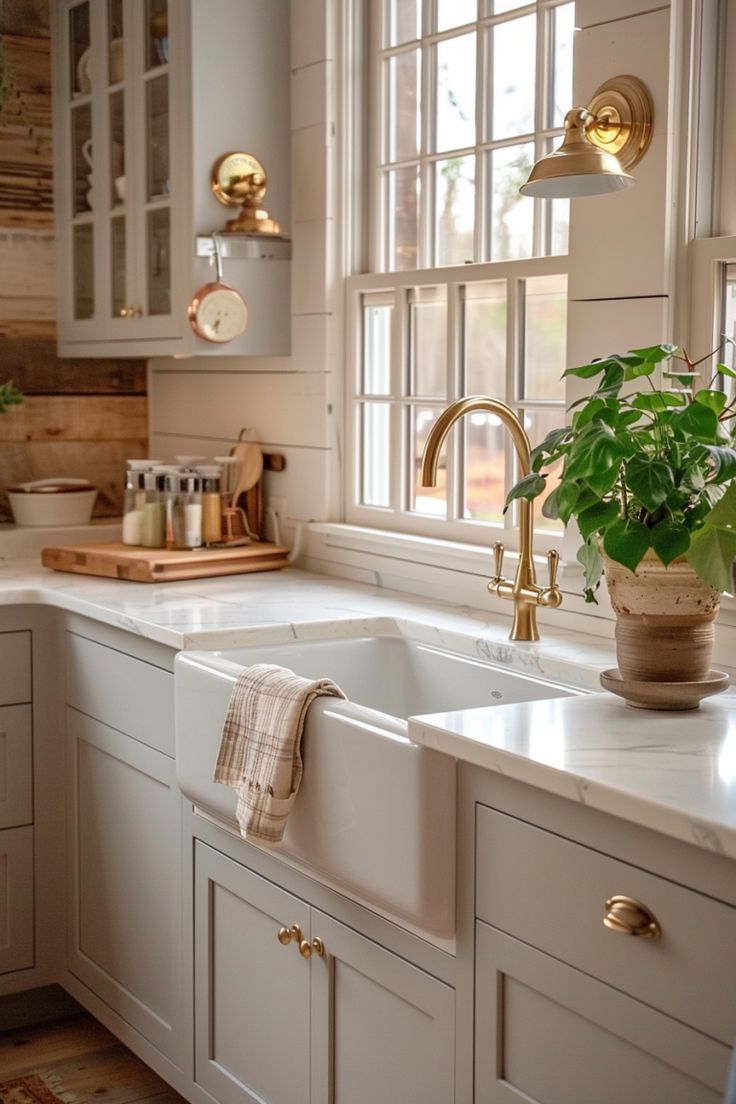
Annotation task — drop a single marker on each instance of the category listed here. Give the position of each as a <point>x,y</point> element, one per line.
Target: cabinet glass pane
<point>157,34</point>
<point>159,262</point>
<point>485,467</point>
<point>83,179</point>
<point>454,210</point>
<point>115,41</point>
<point>427,500</point>
<point>79,51</point>
<point>117,149</point>
<point>157,130</point>
<point>84,275</point>
<point>117,258</point>
<point>376,453</point>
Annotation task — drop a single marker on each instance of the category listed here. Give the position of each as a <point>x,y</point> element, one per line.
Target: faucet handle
<point>498,551</point>
<point>553,562</point>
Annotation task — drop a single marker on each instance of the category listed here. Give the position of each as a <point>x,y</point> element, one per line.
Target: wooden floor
<point>87,1061</point>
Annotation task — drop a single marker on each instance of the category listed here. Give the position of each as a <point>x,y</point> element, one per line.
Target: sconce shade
<point>602,142</point>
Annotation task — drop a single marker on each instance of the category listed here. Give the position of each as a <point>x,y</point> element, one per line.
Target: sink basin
<point>375,814</point>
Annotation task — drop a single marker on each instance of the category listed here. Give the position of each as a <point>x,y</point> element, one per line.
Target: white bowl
<point>52,502</point>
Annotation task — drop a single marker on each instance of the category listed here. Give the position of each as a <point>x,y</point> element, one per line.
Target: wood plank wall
<point>79,418</point>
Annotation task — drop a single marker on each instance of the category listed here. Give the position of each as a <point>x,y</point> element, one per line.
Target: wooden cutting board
<point>157,565</point>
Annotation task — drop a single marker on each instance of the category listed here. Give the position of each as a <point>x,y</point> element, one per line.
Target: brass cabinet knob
<point>318,947</point>
<point>305,948</point>
<point>130,312</point>
<point>630,917</point>
<point>290,935</point>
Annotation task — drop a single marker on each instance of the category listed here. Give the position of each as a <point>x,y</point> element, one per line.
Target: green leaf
<point>595,450</point>
<point>587,371</point>
<point>588,413</point>
<point>656,402</point>
<point>697,421</point>
<point>724,462</point>
<point>670,540</point>
<point>712,551</point>
<point>626,541</point>
<point>724,511</point>
<point>655,354</point>
<point>590,559</point>
<point>641,368</point>
<point>602,482</point>
<point>548,447</point>
<point>561,503</point>
<point>597,517</point>
<point>724,370</point>
<point>716,400</point>
<point>528,487</point>
<point>612,382</point>
<point>650,481</point>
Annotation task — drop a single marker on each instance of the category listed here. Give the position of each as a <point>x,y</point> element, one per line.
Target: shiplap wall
<point>290,404</point>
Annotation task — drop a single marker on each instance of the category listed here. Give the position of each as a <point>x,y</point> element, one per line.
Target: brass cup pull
<point>290,935</point>
<point>631,917</point>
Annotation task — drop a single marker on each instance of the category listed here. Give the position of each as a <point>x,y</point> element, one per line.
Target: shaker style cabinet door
<point>251,992</point>
<point>546,1033</point>
<point>382,1029</point>
<point>16,899</point>
<point>124,877</point>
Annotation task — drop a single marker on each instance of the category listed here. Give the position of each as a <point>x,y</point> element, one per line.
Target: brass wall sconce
<point>240,180</point>
<point>602,142</point>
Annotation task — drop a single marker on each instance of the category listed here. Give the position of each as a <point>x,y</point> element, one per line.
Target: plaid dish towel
<point>260,753</point>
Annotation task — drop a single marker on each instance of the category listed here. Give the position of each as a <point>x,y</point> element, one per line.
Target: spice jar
<point>184,503</point>
<point>211,503</point>
<point>153,523</point>
<point>133,506</point>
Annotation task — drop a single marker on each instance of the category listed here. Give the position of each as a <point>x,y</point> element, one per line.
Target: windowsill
<point>443,569</point>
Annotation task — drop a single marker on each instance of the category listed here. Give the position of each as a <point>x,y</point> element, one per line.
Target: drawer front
<point>551,893</point>
<point>120,691</point>
<point>16,766</point>
<point>15,667</point>
<point>546,1032</point>
<point>16,899</point>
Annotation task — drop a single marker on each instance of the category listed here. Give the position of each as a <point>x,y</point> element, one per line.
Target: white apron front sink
<point>375,814</point>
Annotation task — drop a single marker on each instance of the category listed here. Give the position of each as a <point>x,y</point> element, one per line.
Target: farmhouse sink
<point>375,815</point>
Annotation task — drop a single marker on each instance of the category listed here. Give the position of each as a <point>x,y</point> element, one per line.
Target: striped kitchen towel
<point>260,754</point>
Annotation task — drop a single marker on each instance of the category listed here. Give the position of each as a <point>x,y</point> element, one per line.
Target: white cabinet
<point>147,95</point>
<point>571,1008</point>
<point>354,1025</point>
<point>16,803</point>
<point>125,856</point>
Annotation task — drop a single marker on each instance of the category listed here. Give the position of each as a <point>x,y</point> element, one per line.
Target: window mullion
<point>427,143</point>
<point>456,466</point>
<point>400,462</point>
<point>541,115</point>
<point>514,358</point>
<point>482,198</point>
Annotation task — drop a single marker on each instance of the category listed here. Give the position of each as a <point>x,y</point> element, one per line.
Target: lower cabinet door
<point>382,1029</point>
<point>124,889</point>
<point>16,899</point>
<point>251,993</point>
<point>549,1034</point>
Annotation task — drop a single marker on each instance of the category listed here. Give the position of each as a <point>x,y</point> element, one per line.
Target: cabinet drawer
<point>546,1032</point>
<point>15,667</point>
<point>16,766</point>
<point>16,899</point>
<point>551,893</point>
<point>120,691</point>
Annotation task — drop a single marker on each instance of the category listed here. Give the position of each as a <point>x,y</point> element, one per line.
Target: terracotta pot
<point>664,620</point>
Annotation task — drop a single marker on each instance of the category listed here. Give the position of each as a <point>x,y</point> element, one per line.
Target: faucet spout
<point>524,592</point>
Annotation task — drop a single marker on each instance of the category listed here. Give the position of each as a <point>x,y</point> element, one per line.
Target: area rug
<point>31,1090</point>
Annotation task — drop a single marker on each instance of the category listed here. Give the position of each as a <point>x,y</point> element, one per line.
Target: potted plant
<point>649,475</point>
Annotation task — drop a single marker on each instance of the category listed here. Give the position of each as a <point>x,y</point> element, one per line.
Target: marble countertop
<point>675,773</point>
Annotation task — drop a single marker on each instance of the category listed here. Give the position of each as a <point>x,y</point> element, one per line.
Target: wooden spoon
<point>251,468</point>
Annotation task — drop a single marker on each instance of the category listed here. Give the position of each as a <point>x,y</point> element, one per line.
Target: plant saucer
<point>664,695</point>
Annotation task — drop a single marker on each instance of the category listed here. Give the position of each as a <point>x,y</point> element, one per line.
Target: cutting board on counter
<point>157,565</point>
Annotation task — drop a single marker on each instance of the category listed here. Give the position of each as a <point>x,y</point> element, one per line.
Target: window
<point>467,289</point>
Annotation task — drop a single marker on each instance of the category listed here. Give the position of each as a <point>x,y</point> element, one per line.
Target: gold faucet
<point>524,592</point>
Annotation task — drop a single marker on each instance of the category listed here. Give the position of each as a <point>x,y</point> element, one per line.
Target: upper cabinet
<point>148,95</point>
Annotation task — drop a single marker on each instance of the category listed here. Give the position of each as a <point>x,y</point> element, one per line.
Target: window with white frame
<point>466,292</point>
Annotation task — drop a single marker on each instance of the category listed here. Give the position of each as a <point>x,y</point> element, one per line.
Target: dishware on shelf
<point>84,80</point>
<point>120,188</point>
<point>52,502</point>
